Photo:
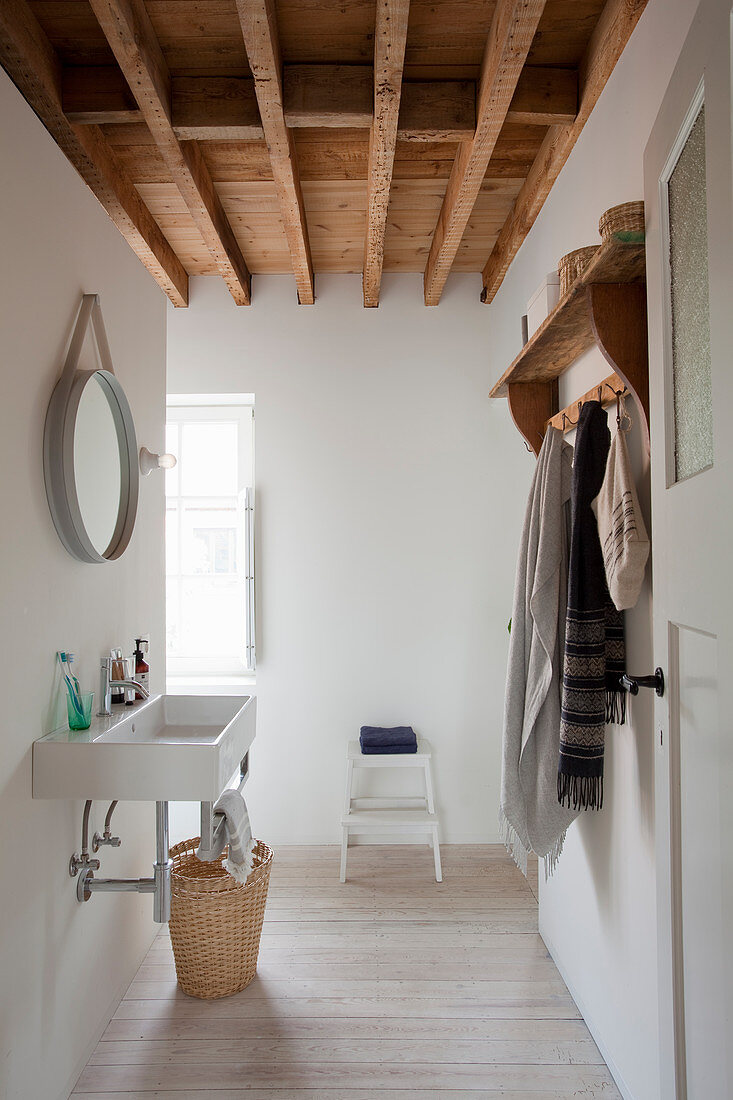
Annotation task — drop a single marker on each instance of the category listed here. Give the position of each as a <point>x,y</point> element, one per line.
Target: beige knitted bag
<point>621,529</point>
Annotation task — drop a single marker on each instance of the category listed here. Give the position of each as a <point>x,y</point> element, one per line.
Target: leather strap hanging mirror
<point>90,450</point>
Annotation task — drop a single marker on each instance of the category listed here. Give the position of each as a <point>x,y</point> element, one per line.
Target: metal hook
<point>622,415</point>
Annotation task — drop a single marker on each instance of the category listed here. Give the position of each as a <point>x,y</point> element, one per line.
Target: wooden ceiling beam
<point>510,37</point>
<point>97,95</point>
<point>215,108</point>
<point>437,110</point>
<point>342,97</point>
<point>203,108</point>
<point>390,39</point>
<point>259,30</point>
<point>607,43</point>
<point>545,97</point>
<point>31,62</point>
<point>129,32</point>
<point>328,95</point>
<point>224,108</point>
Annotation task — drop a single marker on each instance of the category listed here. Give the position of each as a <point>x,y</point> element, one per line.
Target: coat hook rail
<point>607,392</point>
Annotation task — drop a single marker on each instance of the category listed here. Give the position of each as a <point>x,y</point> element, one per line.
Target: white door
<point>687,174</point>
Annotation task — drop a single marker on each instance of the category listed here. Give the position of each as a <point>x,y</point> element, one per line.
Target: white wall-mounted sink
<point>168,748</point>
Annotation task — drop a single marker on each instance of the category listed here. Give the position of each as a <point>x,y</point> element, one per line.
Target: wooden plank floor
<point>391,987</point>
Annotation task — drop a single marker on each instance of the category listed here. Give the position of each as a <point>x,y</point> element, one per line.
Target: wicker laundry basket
<point>624,223</point>
<point>216,921</point>
<point>571,265</point>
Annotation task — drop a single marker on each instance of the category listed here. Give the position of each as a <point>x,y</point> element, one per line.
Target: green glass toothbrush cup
<point>80,717</point>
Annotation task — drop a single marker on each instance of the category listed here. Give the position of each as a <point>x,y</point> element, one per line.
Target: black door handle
<point>633,683</point>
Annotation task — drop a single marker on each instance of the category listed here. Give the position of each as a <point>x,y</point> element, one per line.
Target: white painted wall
<point>62,965</point>
<point>597,914</point>
<point>390,495</point>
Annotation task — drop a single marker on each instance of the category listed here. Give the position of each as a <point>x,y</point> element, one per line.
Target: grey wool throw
<point>530,817</point>
<point>594,631</point>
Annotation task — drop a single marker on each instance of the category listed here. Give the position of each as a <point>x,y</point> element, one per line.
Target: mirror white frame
<point>58,444</point>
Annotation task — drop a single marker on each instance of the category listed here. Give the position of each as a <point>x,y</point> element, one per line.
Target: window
<point>210,535</point>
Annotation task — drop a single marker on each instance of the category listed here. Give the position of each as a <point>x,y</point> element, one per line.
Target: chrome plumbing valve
<point>82,863</point>
<point>106,838</point>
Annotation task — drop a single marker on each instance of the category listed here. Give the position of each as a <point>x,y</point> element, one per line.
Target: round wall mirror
<point>90,453</point>
<point>97,462</point>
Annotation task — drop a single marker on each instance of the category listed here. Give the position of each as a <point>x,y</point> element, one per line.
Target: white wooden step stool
<point>390,815</point>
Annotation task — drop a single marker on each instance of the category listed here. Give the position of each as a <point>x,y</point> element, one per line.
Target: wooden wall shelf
<point>605,307</point>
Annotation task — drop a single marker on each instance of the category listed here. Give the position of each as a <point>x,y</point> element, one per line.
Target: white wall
<point>390,495</point>
<point>63,965</point>
<point>597,914</point>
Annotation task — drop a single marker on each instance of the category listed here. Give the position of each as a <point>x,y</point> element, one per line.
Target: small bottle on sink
<point>118,673</point>
<point>142,668</point>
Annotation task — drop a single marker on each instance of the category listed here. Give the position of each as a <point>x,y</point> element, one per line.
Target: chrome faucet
<point>106,683</point>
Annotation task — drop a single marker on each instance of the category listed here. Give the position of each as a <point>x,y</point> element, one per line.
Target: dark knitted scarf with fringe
<point>595,656</point>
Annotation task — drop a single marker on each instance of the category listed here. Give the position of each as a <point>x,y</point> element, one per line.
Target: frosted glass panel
<point>688,259</point>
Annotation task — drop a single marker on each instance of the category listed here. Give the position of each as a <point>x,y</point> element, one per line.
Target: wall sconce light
<point>150,462</point>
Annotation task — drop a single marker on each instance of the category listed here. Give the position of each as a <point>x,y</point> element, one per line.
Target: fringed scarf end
<point>615,707</point>
<point>512,842</point>
<point>520,852</point>
<point>580,792</point>
<point>550,860</point>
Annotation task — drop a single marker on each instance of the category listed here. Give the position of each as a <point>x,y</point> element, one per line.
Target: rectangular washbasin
<point>168,748</point>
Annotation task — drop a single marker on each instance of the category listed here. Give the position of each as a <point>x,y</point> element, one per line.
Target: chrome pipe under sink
<point>159,885</point>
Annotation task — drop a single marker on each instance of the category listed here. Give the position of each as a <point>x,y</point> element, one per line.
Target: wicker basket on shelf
<point>216,921</point>
<point>572,265</point>
<point>623,223</point>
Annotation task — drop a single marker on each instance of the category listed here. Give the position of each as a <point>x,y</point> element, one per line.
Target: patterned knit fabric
<point>594,636</point>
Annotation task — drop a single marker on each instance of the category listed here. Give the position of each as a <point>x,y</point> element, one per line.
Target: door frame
<point>703,65</point>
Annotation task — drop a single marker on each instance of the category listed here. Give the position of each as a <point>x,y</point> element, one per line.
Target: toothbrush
<point>69,658</point>
<point>72,684</point>
<point>77,704</point>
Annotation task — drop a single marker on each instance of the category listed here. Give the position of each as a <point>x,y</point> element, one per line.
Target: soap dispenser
<point>142,668</point>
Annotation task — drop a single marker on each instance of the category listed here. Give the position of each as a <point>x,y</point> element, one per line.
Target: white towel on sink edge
<point>237,833</point>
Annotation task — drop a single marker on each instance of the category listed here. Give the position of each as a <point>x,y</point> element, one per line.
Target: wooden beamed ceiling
<point>127,28</point>
<point>229,137</point>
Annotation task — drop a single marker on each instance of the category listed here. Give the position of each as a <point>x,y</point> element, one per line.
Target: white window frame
<point>191,407</point>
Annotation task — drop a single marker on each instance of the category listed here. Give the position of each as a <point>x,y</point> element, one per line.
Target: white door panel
<point>694,737</point>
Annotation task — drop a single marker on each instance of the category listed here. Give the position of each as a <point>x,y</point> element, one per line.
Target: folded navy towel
<point>388,750</point>
<point>377,739</point>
